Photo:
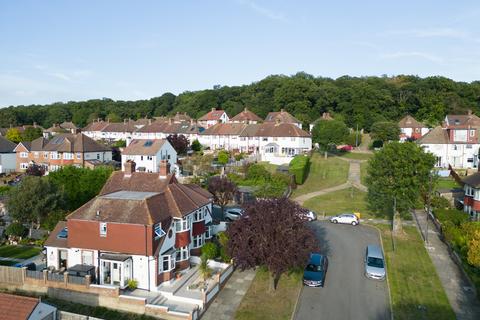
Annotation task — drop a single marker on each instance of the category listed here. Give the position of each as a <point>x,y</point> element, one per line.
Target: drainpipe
<point>146,255</point>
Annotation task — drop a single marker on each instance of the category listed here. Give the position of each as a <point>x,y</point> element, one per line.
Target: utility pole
<point>356,138</point>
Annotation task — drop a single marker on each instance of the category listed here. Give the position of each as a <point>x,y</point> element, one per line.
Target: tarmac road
<point>347,293</point>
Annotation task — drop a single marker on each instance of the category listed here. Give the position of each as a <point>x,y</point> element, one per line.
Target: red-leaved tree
<point>272,233</point>
<point>223,190</point>
<point>179,142</point>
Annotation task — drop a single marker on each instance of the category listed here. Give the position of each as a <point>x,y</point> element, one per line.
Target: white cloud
<point>60,75</point>
<point>413,54</point>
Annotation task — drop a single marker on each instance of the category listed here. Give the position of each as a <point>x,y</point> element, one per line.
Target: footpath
<point>459,292</point>
<point>353,180</point>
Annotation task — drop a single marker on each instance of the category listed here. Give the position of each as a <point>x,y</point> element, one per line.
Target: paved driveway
<point>347,294</point>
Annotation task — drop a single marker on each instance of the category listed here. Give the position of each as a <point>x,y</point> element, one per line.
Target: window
<point>265,139</point>
<point>208,232</point>
<point>455,147</point>
<point>141,158</point>
<point>149,158</point>
<point>24,165</point>
<point>45,155</point>
<point>166,263</point>
<point>182,253</point>
<point>54,155</point>
<point>79,155</point>
<point>198,241</point>
<point>103,229</point>
<point>158,231</point>
<point>469,146</point>
<point>472,133</point>
<point>181,225</point>
<point>67,156</point>
<point>292,138</point>
<point>23,154</point>
<point>198,215</point>
<point>98,156</point>
<point>87,257</point>
<point>35,154</point>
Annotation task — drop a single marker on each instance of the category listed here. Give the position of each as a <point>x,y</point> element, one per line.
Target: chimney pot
<point>469,112</point>
<point>213,109</point>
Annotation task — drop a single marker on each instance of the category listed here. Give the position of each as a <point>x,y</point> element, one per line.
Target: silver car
<point>374,263</point>
<point>233,214</point>
<point>348,218</point>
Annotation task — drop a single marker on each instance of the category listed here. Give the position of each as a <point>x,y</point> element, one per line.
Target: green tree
<point>398,173</point>
<point>327,132</point>
<point>223,157</point>
<point>113,117</point>
<point>34,199</point>
<point>196,146</point>
<point>210,250</point>
<point>385,131</point>
<point>79,184</point>
<point>31,133</point>
<point>13,134</point>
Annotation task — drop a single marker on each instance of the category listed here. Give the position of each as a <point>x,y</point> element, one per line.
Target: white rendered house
<point>148,153</point>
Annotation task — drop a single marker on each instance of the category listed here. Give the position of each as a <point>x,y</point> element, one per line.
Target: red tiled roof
<point>212,115</point>
<point>282,116</point>
<point>225,129</point>
<point>269,129</point>
<point>245,116</point>
<point>14,307</point>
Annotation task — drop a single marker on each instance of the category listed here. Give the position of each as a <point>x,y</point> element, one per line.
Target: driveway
<point>347,294</point>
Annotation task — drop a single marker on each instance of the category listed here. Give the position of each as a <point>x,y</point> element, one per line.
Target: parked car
<point>311,216</point>
<point>348,218</point>
<point>232,214</point>
<point>345,147</point>
<point>316,270</point>
<point>29,266</point>
<point>374,263</point>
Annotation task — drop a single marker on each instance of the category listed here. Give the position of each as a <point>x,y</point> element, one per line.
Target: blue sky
<point>76,50</point>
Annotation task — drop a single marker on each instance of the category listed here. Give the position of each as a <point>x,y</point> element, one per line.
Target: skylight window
<point>63,234</point>
<point>148,143</point>
<point>159,231</point>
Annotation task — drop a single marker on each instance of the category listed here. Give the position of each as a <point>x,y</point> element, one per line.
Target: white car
<point>232,214</point>
<point>347,218</point>
<point>311,216</point>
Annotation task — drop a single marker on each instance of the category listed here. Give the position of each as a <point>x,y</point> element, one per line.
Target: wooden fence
<point>11,275</point>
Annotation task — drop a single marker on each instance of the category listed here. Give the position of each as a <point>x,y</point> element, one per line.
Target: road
<point>347,294</point>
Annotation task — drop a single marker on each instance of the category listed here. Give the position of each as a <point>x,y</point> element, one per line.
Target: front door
<point>116,272</point>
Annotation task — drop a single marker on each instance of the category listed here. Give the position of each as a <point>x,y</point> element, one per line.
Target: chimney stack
<point>149,121</point>
<point>213,109</point>
<point>277,121</point>
<point>163,169</point>
<point>282,110</point>
<point>129,168</point>
<point>170,120</point>
<point>469,112</point>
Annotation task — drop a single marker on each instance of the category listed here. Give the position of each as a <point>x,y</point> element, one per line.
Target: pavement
<point>459,292</point>
<point>347,294</point>
<point>353,180</point>
<point>223,307</point>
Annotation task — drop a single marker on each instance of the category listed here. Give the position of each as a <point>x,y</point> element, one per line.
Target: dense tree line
<point>358,101</point>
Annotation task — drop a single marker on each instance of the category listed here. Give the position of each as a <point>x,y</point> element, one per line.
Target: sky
<point>68,50</point>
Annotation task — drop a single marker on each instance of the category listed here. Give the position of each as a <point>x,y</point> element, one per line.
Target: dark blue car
<point>316,270</point>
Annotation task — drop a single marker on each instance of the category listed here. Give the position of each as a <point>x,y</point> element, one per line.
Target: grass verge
<point>259,303</point>
<point>324,173</point>
<point>357,156</point>
<point>19,252</point>
<point>342,201</point>
<point>415,288</point>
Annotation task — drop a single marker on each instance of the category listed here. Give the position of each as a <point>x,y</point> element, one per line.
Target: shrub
<point>239,156</point>
<point>377,144</point>
<point>16,229</point>
<point>223,240</point>
<point>223,157</point>
<point>439,202</point>
<point>210,250</point>
<point>299,167</point>
<point>257,172</point>
<point>196,146</point>
<point>120,144</point>
<point>456,217</point>
<point>132,284</point>
<point>4,190</point>
<point>453,234</point>
<point>352,138</point>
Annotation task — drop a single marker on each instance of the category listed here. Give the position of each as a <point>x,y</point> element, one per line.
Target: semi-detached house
<point>471,200</point>
<point>454,143</point>
<point>148,153</point>
<point>142,226</point>
<point>62,150</point>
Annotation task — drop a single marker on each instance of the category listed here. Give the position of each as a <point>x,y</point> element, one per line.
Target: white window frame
<point>182,225</point>
<point>23,154</point>
<point>170,259</point>
<point>158,231</point>
<point>103,229</point>
<point>68,156</point>
<point>183,253</point>
<point>36,154</point>
<point>198,215</point>
<point>198,241</point>
<point>79,155</point>
<point>208,232</point>
<point>472,133</point>
<point>24,165</point>
<point>55,155</point>
<point>45,155</point>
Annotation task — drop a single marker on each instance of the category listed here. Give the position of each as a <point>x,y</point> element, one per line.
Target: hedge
<point>299,167</point>
<point>456,217</point>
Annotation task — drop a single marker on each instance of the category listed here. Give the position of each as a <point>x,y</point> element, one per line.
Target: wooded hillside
<point>361,101</point>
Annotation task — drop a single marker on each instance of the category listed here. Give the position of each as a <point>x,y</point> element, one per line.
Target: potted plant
<point>132,284</point>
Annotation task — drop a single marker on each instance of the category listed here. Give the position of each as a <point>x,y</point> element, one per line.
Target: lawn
<point>363,172</point>
<point>346,200</point>
<point>324,173</point>
<point>259,303</point>
<point>357,156</point>
<point>416,290</point>
<point>446,183</point>
<point>19,252</point>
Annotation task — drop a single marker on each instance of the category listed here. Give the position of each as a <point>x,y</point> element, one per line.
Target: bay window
<point>182,225</point>
<point>198,215</point>
<point>198,241</point>
<point>183,253</point>
<point>166,263</point>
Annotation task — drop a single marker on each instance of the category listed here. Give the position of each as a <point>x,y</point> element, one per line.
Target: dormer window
<point>103,229</point>
<point>158,231</point>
